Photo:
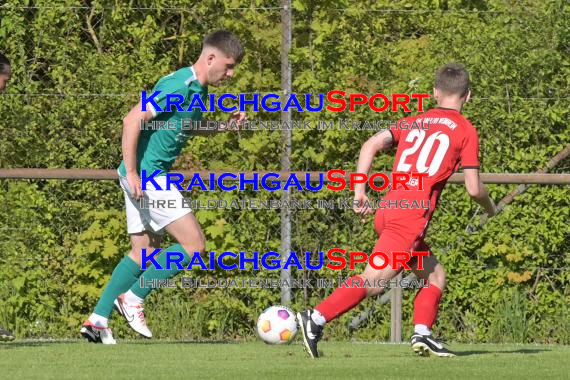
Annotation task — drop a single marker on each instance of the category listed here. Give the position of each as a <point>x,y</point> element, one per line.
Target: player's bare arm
<point>377,143</point>
<point>131,133</point>
<point>478,192</point>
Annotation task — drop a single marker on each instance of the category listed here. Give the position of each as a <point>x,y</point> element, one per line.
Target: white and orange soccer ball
<point>277,325</point>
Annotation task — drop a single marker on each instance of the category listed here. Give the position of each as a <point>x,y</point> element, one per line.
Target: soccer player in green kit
<point>152,150</point>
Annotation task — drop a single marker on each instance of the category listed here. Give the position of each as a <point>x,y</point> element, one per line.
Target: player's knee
<point>373,287</point>
<point>194,241</point>
<point>437,277</point>
<point>197,245</point>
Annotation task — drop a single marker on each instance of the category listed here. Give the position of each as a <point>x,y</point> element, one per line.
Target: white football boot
<point>97,334</point>
<point>134,316</point>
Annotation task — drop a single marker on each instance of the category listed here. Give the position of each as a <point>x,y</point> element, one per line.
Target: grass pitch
<point>174,360</point>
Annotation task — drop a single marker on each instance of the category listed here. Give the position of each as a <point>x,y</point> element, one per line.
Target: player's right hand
<point>362,205</point>
<point>135,185</point>
<point>238,118</point>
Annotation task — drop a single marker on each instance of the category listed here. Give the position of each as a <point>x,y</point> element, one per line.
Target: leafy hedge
<point>59,240</point>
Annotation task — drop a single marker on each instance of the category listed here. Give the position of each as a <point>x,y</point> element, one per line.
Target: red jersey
<point>437,148</point>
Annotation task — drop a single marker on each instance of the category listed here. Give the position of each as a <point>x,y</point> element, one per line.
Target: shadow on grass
<point>42,343</point>
<point>28,343</point>
<point>520,351</point>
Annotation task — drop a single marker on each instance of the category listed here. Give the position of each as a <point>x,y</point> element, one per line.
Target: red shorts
<point>400,230</point>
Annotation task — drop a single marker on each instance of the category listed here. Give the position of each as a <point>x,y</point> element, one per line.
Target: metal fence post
<point>396,309</point>
<point>286,141</point>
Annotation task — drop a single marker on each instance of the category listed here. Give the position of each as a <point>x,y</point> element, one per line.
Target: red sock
<point>351,292</point>
<point>426,305</point>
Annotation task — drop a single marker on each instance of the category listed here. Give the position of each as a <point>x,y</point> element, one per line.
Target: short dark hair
<point>4,62</point>
<point>226,42</point>
<point>452,79</point>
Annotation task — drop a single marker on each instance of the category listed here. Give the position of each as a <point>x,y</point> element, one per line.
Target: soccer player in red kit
<point>449,142</point>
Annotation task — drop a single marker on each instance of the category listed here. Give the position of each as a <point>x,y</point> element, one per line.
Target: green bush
<point>59,240</point>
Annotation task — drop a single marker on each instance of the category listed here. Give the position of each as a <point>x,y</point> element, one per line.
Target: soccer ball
<point>277,325</point>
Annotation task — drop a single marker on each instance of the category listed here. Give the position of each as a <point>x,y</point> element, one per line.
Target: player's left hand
<point>237,118</point>
<point>362,208</point>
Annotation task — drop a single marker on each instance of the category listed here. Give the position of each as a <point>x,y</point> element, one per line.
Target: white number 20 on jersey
<point>417,136</point>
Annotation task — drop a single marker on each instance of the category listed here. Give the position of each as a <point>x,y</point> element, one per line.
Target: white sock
<point>132,299</point>
<point>98,320</point>
<point>318,318</point>
<point>422,330</point>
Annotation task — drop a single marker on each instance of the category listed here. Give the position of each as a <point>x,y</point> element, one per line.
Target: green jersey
<point>158,148</point>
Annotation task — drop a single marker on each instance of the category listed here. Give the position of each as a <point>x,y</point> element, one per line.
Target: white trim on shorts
<point>152,218</point>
